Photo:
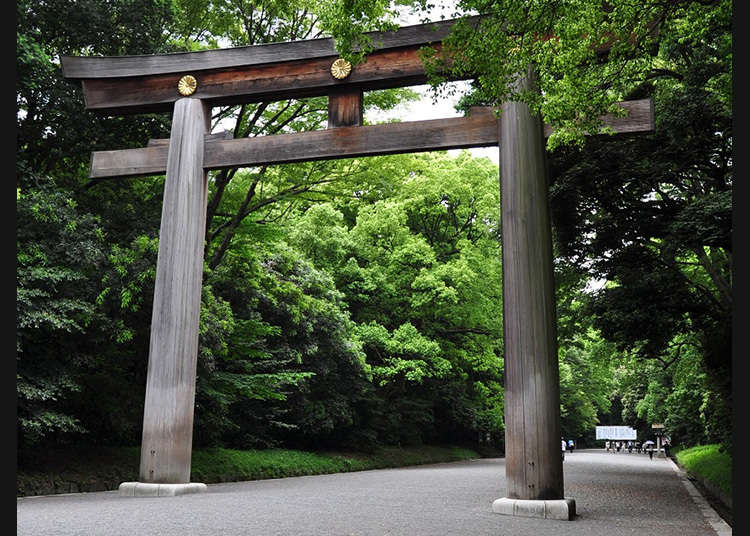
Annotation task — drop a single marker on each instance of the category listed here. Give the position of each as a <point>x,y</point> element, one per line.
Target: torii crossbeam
<point>189,84</point>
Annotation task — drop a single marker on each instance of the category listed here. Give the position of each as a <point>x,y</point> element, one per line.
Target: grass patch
<point>225,465</point>
<point>74,470</point>
<point>708,464</point>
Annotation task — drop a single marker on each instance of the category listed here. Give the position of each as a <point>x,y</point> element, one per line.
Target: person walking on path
<point>651,452</point>
<point>563,448</point>
<point>571,445</point>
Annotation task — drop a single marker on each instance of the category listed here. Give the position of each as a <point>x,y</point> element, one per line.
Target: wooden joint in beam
<point>345,107</point>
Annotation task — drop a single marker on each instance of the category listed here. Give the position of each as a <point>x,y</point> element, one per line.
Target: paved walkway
<point>615,494</point>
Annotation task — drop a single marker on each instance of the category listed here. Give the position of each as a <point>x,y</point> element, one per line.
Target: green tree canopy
<point>652,214</point>
<point>359,301</point>
<point>415,252</point>
<point>587,54</point>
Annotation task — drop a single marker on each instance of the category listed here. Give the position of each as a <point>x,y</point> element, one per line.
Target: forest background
<point>357,303</point>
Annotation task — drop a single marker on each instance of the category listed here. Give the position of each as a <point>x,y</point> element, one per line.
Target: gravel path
<point>615,494</point>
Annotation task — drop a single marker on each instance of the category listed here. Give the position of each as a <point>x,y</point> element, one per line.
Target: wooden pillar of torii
<point>189,84</point>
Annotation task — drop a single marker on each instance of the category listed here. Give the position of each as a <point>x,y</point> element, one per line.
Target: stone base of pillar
<point>144,489</point>
<point>564,509</point>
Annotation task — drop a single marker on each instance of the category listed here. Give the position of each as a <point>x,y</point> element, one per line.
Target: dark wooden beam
<point>479,129</point>
<point>348,142</point>
<point>276,71</point>
<point>223,135</point>
<point>276,81</point>
<point>140,162</point>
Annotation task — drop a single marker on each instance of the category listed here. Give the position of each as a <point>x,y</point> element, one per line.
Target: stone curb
<point>717,492</point>
<point>710,515</point>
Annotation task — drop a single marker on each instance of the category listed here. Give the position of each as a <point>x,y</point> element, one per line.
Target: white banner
<point>615,432</point>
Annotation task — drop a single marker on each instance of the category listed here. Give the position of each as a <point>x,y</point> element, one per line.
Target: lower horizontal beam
<point>479,129</point>
<point>349,142</point>
<point>140,162</point>
<point>639,117</point>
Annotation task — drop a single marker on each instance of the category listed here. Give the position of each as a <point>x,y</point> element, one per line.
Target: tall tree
<point>587,54</point>
<point>652,214</point>
<point>417,259</point>
<point>587,363</point>
<point>66,348</point>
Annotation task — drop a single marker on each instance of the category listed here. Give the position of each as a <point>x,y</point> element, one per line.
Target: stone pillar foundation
<point>146,489</point>
<point>562,509</point>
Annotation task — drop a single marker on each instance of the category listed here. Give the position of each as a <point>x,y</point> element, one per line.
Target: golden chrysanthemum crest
<point>187,85</point>
<point>341,68</point>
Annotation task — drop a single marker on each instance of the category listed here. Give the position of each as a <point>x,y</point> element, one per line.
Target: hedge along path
<point>190,84</point>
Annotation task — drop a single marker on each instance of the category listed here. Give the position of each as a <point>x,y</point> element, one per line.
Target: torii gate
<point>189,84</point>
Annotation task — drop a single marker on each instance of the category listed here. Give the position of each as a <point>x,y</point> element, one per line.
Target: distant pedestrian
<point>650,452</point>
<point>571,445</point>
<point>630,447</point>
<point>666,447</point>
<point>563,448</point>
<point>619,446</point>
<point>606,445</point>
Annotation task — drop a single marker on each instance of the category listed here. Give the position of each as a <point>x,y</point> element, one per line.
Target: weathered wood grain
<point>140,162</point>
<point>479,129</point>
<point>533,463</point>
<point>345,108</point>
<point>347,142</point>
<point>166,447</point>
<point>341,142</point>
<point>275,81</point>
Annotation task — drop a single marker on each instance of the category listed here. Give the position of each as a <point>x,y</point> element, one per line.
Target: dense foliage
<point>650,215</point>
<point>587,54</point>
<point>357,303</point>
